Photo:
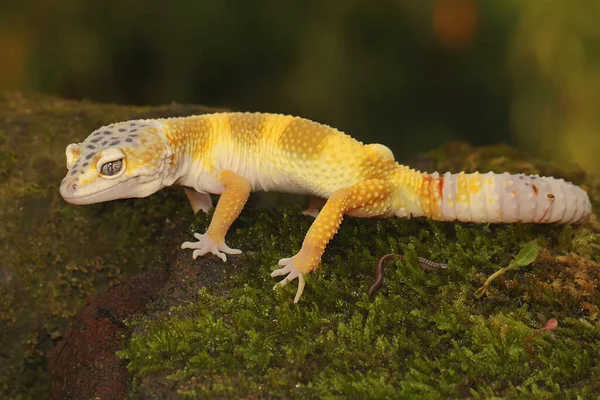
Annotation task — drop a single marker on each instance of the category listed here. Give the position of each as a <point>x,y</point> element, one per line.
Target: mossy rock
<point>214,329</point>
<point>424,335</point>
<point>53,254</point>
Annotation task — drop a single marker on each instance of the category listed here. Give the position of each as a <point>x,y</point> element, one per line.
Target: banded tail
<point>502,198</point>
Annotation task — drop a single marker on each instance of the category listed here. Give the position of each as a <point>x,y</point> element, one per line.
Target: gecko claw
<point>292,273</point>
<point>206,244</point>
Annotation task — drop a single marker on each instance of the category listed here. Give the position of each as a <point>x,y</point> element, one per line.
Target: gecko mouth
<point>120,191</point>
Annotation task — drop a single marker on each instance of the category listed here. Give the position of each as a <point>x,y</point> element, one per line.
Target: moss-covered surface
<point>424,335</point>
<point>54,255</point>
<point>219,330</point>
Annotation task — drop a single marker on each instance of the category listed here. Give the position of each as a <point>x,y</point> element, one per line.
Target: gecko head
<point>122,160</point>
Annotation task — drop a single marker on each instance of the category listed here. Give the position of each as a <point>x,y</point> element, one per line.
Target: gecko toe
<point>291,273</point>
<point>281,271</point>
<point>226,249</point>
<point>300,290</point>
<point>186,245</point>
<point>198,253</point>
<point>198,236</point>
<point>284,261</point>
<point>311,213</point>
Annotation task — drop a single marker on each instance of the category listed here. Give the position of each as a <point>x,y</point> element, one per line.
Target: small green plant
<point>526,256</point>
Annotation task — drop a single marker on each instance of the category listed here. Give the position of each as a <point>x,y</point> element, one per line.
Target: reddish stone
<point>84,365</point>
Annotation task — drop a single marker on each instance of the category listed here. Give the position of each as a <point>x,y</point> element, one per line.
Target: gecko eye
<point>111,168</point>
<point>111,164</point>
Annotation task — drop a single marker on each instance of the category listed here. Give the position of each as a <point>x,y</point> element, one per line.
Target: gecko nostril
<point>72,186</point>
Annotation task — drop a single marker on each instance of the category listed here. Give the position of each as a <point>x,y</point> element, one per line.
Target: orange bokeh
<point>13,52</point>
<point>455,22</point>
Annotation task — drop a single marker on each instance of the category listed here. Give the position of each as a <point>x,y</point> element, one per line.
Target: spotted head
<point>122,160</point>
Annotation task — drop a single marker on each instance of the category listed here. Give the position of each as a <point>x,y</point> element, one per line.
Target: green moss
<point>423,335</point>
<point>226,332</point>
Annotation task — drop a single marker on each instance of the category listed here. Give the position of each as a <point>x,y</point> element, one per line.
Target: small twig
<point>551,325</point>
<point>425,264</point>
<point>552,198</point>
<point>64,346</point>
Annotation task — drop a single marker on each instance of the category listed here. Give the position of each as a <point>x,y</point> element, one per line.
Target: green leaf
<point>528,254</point>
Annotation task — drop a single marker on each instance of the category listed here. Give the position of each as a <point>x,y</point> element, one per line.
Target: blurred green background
<point>411,74</point>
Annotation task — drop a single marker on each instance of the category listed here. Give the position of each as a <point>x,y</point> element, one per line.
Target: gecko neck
<point>186,136</point>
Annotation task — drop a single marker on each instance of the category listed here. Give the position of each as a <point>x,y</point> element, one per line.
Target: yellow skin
<point>233,154</point>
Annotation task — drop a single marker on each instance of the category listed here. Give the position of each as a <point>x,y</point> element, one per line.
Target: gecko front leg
<point>234,197</point>
<point>369,198</point>
<point>198,201</point>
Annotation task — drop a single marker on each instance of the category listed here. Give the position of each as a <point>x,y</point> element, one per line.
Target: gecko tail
<point>503,198</point>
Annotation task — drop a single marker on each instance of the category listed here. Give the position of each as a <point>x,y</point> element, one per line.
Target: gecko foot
<point>206,244</point>
<point>292,272</point>
<point>311,212</point>
<point>313,207</point>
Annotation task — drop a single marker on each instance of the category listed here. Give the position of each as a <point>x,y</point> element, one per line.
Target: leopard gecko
<point>233,154</point>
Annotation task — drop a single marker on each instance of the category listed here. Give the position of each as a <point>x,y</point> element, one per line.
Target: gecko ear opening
<point>72,154</point>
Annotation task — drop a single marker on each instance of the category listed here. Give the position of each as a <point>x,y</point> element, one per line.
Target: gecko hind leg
<point>371,197</point>
<point>313,206</point>
<point>198,201</point>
